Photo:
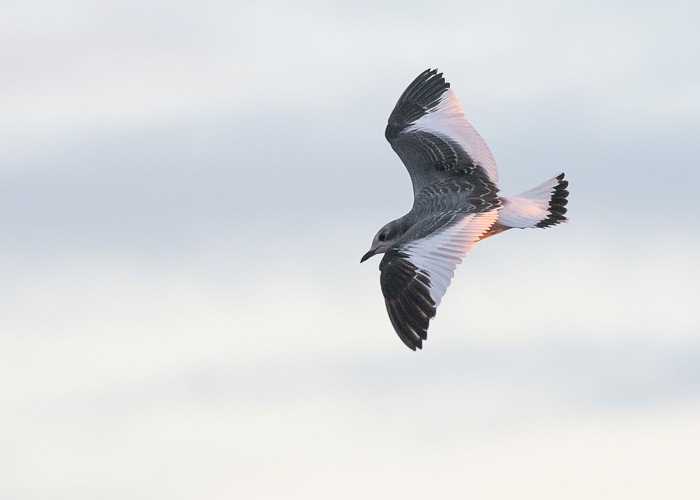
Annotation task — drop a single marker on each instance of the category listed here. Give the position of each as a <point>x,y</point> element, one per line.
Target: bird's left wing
<point>429,132</point>
<point>415,277</point>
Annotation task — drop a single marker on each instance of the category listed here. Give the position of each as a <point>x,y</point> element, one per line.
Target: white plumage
<point>439,254</point>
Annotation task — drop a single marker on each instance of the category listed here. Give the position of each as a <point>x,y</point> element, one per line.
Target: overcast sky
<point>186,190</point>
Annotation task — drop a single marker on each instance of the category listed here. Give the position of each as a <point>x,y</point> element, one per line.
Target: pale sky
<point>186,190</point>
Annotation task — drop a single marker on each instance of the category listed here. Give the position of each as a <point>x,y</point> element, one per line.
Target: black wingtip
<point>416,345</point>
<point>421,96</point>
<point>403,326</point>
<point>407,295</point>
<point>412,347</point>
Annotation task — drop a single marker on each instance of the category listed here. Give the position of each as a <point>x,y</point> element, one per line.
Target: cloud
<point>184,197</point>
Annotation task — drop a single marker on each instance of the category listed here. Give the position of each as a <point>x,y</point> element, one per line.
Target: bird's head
<point>385,238</point>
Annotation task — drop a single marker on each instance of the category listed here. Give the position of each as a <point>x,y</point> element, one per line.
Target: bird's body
<point>456,203</point>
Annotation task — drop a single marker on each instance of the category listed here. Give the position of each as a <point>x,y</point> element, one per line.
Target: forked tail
<point>542,206</point>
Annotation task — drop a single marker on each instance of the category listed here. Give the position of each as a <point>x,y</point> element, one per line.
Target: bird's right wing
<point>429,132</point>
<point>415,277</point>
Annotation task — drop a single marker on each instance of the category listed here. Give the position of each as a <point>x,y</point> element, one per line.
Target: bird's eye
<point>381,237</point>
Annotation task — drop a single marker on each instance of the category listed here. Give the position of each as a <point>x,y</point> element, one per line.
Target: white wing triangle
<point>447,119</point>
<point>439,254</point>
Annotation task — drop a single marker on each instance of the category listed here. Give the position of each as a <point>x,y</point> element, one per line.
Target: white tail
<point>542,206</point>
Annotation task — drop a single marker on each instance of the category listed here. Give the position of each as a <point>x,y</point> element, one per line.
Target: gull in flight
<point>455,204</point>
